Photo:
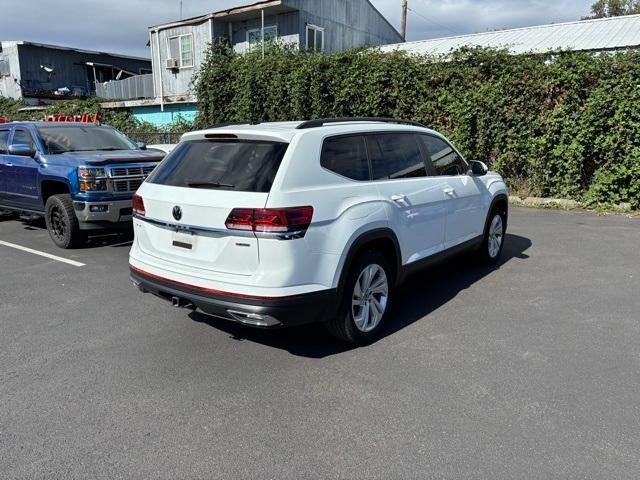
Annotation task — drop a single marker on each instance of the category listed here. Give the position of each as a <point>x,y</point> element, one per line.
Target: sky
<point>120,26</point>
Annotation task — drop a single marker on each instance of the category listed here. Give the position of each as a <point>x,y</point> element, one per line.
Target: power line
<point>434,22</point>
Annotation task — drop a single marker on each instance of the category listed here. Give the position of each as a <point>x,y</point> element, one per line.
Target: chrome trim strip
<point>225,232</point>
<point>194,228</point>
<point>109,169</point>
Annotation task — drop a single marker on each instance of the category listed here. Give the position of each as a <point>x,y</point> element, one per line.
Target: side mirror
<point>478,169</point>
<point>22,150</point>
<point>141,145</point>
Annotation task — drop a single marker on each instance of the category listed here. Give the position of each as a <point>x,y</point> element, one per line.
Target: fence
<point>155,138</point>
<point>139,86</point>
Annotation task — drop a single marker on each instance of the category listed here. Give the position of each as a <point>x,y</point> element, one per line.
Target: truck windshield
<point>83,139</point>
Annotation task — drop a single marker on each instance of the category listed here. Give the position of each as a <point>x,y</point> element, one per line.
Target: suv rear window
<point>241,165</point>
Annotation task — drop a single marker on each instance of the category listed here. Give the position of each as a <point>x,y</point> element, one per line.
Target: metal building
<point>179,48</point>
<point>605,34</point>
<point>37,72</point>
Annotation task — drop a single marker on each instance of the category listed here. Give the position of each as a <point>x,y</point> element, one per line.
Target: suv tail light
<point>270,220</point>
<point>138,206</point>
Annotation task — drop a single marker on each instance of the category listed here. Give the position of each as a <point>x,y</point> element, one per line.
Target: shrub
<point>549,123</point>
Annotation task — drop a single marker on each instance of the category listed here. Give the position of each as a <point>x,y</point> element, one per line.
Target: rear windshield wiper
<point>209,185</point>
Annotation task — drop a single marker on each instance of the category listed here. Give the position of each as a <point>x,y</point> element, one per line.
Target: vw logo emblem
<point>177,212</point>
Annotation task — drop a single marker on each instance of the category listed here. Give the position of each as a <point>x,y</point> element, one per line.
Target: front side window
<point>255,36</point>
<point>315,38</point>
<point>65,139</point>
<point>22,137</point>
<point>444,158</point>
<point>346,156</point>
<point>395,156</point>
<point>4,141</point>
<point>240,165</point>
<point>181,49</point>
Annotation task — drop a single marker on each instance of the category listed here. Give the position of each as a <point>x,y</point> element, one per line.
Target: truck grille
<point>132,171</point>
<point>128,178</point>
<point>123,186</point>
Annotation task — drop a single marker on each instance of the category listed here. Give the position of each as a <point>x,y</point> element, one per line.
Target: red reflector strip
<point>209,291</point>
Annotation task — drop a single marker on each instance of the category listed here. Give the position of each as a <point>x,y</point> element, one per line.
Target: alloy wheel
<point>370,298</point>
<point>496,236</point>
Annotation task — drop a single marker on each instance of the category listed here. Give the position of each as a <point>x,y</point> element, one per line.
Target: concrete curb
<point>559,203</point>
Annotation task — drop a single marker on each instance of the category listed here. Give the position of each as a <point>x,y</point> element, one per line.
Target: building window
<point>181,49</point>
<point>255,36</point>
<point>315,38</point>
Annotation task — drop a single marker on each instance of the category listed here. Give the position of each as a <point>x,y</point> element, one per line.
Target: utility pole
<point>403,27</point>
<point>180,9</point>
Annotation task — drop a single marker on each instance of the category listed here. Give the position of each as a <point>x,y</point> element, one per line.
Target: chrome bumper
<point>110,211</point>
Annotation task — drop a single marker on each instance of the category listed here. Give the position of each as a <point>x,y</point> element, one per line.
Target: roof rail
<point>235,124</point>
<point>321,122</point>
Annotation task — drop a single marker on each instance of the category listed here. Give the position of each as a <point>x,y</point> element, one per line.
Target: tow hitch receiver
<point>178,302</point>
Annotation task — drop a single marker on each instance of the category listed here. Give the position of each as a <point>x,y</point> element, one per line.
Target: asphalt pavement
<point>527,370</point>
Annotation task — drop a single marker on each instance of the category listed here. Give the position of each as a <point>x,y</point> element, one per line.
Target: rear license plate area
<point>185,241</point>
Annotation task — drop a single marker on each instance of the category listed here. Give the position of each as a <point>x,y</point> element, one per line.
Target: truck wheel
<point>62,222</point>
<point>366,300</point>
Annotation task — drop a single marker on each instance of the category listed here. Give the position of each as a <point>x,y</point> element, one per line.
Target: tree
<point>613,8</point>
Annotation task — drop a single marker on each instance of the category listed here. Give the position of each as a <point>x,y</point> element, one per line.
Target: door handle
<point>450,191</point>
<point>398,198</point>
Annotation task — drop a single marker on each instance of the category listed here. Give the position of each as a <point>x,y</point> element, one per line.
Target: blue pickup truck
<point>80,176</point>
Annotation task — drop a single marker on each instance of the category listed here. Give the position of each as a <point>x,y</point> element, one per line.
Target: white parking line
<point>42,254</point>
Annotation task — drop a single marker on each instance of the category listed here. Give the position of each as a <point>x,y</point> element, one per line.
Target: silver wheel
<point>496,236</point>
<point>370,297</point>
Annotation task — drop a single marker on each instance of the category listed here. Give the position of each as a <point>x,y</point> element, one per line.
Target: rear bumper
<point>259,312</point>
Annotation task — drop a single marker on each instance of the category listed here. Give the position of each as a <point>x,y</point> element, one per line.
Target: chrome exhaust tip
<point>254,319</point>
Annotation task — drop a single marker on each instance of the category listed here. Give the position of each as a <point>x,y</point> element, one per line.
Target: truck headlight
<point>91,173</point>
<point>92,179</point>
<point>93,186</point>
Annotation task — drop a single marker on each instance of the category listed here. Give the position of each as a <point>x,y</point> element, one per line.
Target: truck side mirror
<point>22,150</point>
<point>478,169</point>
<point>141,145</point>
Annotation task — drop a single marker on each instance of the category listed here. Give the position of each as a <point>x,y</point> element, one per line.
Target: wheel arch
<point>50,187</point>
<point>380,239</point>
<point>499,201</point>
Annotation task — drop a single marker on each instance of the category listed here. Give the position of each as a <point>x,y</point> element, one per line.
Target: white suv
<point>280,224</point>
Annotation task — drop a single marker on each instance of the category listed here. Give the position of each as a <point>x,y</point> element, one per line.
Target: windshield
<point>241,165</point>
<point>83,139</point>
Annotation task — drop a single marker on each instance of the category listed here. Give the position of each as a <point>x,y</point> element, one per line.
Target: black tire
<point>62,222</point>
<point>343,326</point>
<point>487,254</point>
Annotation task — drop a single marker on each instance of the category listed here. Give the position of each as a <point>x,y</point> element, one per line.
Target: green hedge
<point>566,125</point>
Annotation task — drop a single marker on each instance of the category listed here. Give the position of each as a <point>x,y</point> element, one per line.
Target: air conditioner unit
<point>172,63</point>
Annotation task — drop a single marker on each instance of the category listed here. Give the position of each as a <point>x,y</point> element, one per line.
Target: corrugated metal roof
<point>586,35</point>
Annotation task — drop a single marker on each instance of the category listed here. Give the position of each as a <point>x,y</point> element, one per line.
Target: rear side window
<point>4,141</point>
<point>346,156</point>
<point>242,165</point>
<point>444,158</point>
<point>396,156</point>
